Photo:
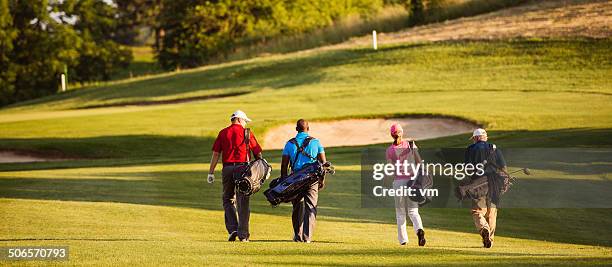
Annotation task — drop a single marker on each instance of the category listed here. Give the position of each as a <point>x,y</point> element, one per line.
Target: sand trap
<point>357,132</point>
<point>12,157</point>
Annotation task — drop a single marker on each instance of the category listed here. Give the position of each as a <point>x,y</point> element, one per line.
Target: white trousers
<point>404,206</point>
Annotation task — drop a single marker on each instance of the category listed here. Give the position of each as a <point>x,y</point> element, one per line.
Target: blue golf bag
<point>291,187</point>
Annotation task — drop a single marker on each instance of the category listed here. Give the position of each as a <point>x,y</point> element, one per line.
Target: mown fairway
<point>135,190</point>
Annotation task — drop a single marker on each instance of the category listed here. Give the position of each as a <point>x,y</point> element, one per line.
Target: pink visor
<point>395,128</point>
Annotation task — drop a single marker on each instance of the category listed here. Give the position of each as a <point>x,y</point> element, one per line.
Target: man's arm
<point>217,148</point>
<point>284,166</point>
<point>321,154</point>
<point>213,162</point>
<point>321,157</point>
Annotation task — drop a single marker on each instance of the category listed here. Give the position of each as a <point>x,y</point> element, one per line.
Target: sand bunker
<point>12,157</point>
<point>357,132</point>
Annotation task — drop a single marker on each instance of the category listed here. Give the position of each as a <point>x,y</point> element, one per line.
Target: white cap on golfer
<point>240,114</point>
<point>479,132</point>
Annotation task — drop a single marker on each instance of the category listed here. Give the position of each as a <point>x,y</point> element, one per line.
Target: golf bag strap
<point>415,153</point>
<point>492,158</point>
<point>417,158</point>
<point>300,149</point>
<point>247,139</point>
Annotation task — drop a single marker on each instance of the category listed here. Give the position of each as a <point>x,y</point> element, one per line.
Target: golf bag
<point>252,176</point>
<point>422,181</point>
<point>475,189</point>
<point>291,187</point>
<point>493,185</point>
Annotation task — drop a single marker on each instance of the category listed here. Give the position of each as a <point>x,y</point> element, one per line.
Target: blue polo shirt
<point>313,149</point>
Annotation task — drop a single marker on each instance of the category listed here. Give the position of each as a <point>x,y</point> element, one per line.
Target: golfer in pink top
<point>402,151</point>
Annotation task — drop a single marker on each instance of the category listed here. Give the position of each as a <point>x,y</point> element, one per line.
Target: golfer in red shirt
<point>232,147</point>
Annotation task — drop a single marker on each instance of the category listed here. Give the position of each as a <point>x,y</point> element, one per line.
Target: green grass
<point>165,213</point>
<point>136,192</point>
<point>142,64</point>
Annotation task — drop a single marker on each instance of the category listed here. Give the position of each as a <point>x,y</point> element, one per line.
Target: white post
<point>374,42</point>
<point>63,78</point>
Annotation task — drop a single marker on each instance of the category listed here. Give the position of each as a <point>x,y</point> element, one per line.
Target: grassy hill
<point>135,190</point>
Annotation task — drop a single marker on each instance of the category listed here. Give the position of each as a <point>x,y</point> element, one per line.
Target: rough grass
<point>537,19</point>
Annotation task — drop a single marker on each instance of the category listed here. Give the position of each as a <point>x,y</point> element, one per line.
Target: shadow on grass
<point>277,74</point>
<point>111,151</point>
<point>128,150</point>
<point>165,102</point>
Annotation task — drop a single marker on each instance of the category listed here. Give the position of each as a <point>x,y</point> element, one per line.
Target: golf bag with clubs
<point>289,188</point>
<point>252,176</point>
<point>492,185</point>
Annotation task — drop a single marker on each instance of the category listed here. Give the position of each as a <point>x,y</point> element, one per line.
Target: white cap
<point>479,132</point>
<point>240,114</point>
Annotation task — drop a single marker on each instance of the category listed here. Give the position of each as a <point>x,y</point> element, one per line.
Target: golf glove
<point>211,178</point>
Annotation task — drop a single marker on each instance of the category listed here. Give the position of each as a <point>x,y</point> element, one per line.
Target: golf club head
<point>526,171</point>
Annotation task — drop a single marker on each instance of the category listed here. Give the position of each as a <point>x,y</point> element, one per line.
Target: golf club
<point>526,171</point>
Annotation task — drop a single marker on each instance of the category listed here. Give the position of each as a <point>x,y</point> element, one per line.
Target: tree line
<point>41,39</point>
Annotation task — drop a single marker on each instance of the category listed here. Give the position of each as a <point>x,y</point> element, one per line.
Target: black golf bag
<point>473,188</point>
<point>290,187</point>
<point>493,185</point>
<point>422,181</point>
<point>249,180</point>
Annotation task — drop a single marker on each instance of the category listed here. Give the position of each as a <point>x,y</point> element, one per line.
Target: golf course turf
<point>134,191</point>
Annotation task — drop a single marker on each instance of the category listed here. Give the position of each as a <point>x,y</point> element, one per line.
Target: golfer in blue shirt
<point>300,150</point>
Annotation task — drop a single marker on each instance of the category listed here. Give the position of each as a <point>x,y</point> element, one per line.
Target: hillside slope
<point>539,19</point>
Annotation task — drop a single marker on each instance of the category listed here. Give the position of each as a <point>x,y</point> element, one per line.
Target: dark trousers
<point>231,200</point>
<point>305,214</point>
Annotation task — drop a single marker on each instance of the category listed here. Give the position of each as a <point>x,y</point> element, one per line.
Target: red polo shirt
<point>230,143</point>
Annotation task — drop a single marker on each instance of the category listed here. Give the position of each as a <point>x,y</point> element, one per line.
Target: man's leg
<point>297,218</point>
<point>244,213</point>
<point>310,211</point>
<point>492,220</point>
<point>479,210</point>
<point>229,200</point>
